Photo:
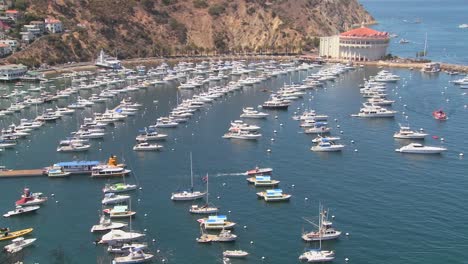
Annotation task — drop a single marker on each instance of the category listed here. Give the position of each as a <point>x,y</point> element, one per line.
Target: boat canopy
<point>274,191</point>
<point>77,163</point>
<point>262,178</point>
<point>213,219</point>
<point>120,209</point>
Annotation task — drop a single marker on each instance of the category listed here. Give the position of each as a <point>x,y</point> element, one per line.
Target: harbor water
<point>395,208</point>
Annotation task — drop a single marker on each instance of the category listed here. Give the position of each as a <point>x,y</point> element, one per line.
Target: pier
<point>22,173</point>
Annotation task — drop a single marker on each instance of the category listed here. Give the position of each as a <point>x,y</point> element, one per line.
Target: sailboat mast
<point>425,46</point>
<point>191,171</point>
<point>207,193</point>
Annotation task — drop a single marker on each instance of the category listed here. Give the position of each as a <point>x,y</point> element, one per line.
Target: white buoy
<point>272,139</point>
<point>341,132</point>
<point>139,200</point>
<point>293,185</point>
<point>52,195</point>
<point>281,124</point>
<point>403,113</point>
<point>352,141</point>
<point>333,217</point>
<point>347,234</point>
<point>158,251</point>
<point>251,242</point>
<point>154,240</point>
<point>461,154</point>
<point>442,139</point>
<point>146,214</point>
<point>404,105</point>
<point>229,211</point>
<point>263,258</point>
<point>141,188</point>
<point>274,131</point>
<point>355,150</point>
<point>245,227</point>
<point>276,117</point>
<point>338,126</point>
<point>268,150</point>
<point>336,120</point>
<point>172,149</point>
<point>224,184</point>
<point>56,201</point>
<point>346,259</point>
<point>218,197</point>
<point>306,198</point>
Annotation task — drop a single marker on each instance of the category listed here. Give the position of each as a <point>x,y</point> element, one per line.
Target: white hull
<point>187,196</point>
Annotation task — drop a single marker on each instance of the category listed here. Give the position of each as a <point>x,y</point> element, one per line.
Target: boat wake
<point>230,174</point>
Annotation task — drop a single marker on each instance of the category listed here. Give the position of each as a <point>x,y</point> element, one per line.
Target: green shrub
<point>200,4</point>
<point>216,10</point>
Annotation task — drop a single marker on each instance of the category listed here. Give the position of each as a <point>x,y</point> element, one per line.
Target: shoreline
<point>398,63</point>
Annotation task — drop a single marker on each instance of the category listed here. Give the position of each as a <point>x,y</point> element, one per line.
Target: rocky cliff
<point>139,28</point>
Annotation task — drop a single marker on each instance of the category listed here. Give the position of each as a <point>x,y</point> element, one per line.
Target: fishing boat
<point>28,198</point>
<point>416,148</point>
<point>274,195</point>
<point>119,236</point>
<point>259,171</point>
<point>216,222</point>
<point>19,244</point>
<point>206,208</point>
<point>439,115</point>
<point>145,146</point>
<point>235,254</point>
<point>119,187</point>
<point>106,224</point>
<point>5,233</point>
<point>190,194</point>
<point>263,181</point>
<point>22,210</point>
<point>135,256</point>
<point>325,230</point>
<point>112,198</point>
<point>57,172</point>
<point>123,248</point>
<point>119,211</point>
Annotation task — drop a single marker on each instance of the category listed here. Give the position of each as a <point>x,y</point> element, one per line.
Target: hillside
<point>139,28</point>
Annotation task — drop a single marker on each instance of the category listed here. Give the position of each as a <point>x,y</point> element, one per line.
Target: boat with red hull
<point>439,115</point>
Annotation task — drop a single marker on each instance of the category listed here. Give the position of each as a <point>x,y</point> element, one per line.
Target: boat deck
<point>206,238</point>
<point>21,173</point>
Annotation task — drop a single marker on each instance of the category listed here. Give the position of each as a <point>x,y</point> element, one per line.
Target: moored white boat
<point>19,244</point>
<point>417,148</point>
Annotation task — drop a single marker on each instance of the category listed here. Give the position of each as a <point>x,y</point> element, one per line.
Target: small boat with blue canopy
<point>216,222</point>
<point>263,181</point>
<point>274,195</point>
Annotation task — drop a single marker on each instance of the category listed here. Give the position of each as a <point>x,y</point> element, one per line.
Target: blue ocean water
<point>439,19</point>
<point>396,208</point>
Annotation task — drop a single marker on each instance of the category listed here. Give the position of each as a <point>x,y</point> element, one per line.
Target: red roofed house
<point>360,44</point>
<point>14,14</point>
<point>53,25</point>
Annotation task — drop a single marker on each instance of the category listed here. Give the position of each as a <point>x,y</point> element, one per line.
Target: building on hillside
<point>360,44</point>
<point>12,72</point>
<point>13,43</point>
<point>27,36</point>
<point>5,4</point>
<point>39,24</point>
<point>4,50</point>
<point>33,29</point>
<point>53,25</point>
<point>13,14</point>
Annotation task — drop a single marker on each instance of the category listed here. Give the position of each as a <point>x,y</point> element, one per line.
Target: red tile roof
<point>364,32</point>
<point>11,11</point>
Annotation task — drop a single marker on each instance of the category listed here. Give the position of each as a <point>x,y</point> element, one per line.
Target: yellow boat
<point>6,235</point>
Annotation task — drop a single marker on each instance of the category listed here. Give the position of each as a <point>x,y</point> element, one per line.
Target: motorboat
<point>119,236</point>
<point>106,224</point>
<point>317,255</point>
<point>119,211</point>
<point>145,146</point>
<point>276,103</point>
<point>327,146</point>
<point>249,112</point>
<point>240,125</point>
<point>165,122</point>
<point>6,234</point>
<point>439,115</point>
<point>19,244</point>
<point>135,256</point>
<point>112,198</point>
<point>216,222</point>
<point>310,115</point>
<point>57,172</point>
<point>235,253</point>
<point>74,147</point>
<point>417,148</point>
<point>22,210</point>
<point>274,195</point>
<point>223,236</point>
<point>407,133</point>
<point>259,171</point>
<point>318,128</point>
<point>328,138</point>
<point>241,134</point>
<point>325,230</point>
<point>263,181</point>
<point>64,111</point>
<point>29,199</point>
<point>123,248</point>
<point>373,111</point>
<point>102,171</point>
<point>150,135</point>
<point>118,188</point>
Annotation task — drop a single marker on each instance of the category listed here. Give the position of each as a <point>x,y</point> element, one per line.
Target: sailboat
<point>188,195</point>
<point>206,208</point>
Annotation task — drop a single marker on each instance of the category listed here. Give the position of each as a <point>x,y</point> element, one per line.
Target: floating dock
<point>22,173</point>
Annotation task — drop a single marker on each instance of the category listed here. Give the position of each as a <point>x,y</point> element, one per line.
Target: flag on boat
<point>205,178</point>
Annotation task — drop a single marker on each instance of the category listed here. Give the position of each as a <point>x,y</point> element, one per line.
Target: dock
<point>22,173</point>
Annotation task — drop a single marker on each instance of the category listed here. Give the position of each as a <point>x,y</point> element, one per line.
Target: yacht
<point>145,146</point>
<point>325,230</point>
<point>150,135</point>
<point>407,133</point>
<point>119,236</point>
<point>216,222</point>
<point>112,198</point>
<point>372,111</point>
<point>135,256</point>
<point>165,122</point>
<point>106,224</point>
<point>316,255</point>
<point>249,112</point>
<point>119,211</point>
<point>235,254</point>
<point>320,138</point>
<point>102,171</point>
<point>310,115</point>
<point>240,125</point>
<point>318,128</point>
<point>274,195</point>
<point>123,248</point>
<point>380,101</point>
<point>240,134</point>
<point>190,194</point>
<point>417,148</point>
<point>73,147</point>
<point>22,210</point>
<point>64,111</point>
<point>19,244</point>
<point>276,103</point>
<point>327,146</point>
<point>263,181</point>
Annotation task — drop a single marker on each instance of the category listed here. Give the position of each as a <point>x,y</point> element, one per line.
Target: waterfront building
<point>12,72</point>
<point>360,44</point>
<point>53,25</point>
<point>107,61</point>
